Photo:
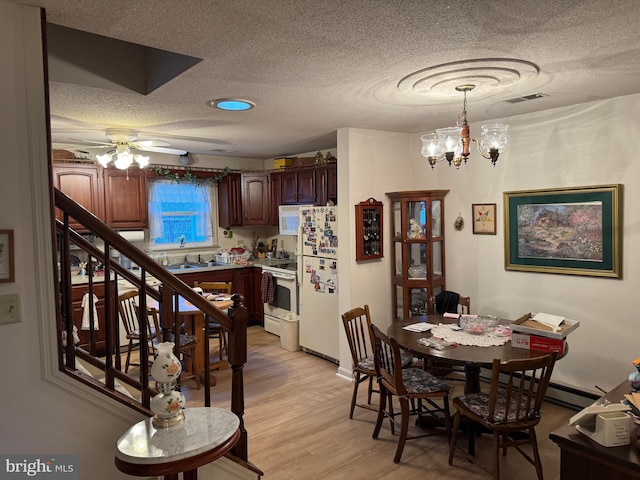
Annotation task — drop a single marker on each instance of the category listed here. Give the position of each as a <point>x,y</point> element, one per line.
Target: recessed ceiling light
<point>231,104</point>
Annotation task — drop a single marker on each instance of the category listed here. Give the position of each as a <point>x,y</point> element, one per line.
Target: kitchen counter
<point>177,270</point>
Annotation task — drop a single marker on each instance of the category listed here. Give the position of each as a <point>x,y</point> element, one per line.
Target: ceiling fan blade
<point>84,142</point>
<point>171,151</point>
<point>151,143</point>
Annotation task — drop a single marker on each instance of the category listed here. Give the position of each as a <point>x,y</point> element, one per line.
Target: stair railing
<point>152,282</point>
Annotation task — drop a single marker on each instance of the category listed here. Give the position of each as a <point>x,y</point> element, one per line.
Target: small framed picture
<point>484,218</point>
<point>6,256</point>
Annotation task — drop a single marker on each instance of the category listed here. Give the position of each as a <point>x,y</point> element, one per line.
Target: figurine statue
<point>415,230</point>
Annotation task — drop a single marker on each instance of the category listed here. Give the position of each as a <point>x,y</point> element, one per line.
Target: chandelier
<point>452,143</point>
<point>122,158</point>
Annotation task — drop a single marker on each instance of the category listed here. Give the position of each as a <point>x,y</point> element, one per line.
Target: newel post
<point>237,359</point>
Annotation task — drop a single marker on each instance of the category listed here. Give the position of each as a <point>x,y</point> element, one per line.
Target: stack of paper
<point>551,321</point>
<point>419,327</point>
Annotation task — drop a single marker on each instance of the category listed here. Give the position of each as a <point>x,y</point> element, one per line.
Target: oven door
<point>285,300</point>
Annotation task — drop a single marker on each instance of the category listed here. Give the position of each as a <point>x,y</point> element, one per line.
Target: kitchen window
<point>180,214</point>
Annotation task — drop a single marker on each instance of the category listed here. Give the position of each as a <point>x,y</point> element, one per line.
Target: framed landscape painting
<point>575,231</point>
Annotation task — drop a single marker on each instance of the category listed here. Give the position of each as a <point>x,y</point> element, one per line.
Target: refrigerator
<point>318,280</point>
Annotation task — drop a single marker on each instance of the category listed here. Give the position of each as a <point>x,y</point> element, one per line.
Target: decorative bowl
<point>418,271</point>
<point>477,325</point>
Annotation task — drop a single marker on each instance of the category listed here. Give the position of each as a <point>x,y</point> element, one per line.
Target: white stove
<point>285,300</point>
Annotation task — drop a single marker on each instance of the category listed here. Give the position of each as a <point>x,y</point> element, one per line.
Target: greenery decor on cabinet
<point>417,256</point>
<point>369,230</point>
<point>188,175</point>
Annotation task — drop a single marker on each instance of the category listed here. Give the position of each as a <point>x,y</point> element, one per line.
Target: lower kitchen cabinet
<point>95,346</point>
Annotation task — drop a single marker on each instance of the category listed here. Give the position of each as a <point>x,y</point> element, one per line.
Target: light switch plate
<point>10,309</point>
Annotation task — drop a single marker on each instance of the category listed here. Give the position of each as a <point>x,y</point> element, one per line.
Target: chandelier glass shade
<point>452,143</point>
<point>122,158</point>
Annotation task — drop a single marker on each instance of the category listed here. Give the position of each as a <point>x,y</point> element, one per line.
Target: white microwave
<point>289,219</point>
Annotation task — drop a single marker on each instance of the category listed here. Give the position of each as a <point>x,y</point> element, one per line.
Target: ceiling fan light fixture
<point>123,160</point>
<point>104,159</point>
<point>231,104</point>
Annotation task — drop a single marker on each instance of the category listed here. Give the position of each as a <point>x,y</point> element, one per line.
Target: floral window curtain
<point>180,214</point>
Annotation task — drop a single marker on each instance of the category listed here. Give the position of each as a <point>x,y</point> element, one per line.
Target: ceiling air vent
<point>525,98</point>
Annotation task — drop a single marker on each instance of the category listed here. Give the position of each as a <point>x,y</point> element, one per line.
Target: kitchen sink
<point>189,265</point>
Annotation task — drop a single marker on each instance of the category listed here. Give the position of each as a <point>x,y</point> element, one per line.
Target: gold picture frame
<point>7,268</point>
<point>483,216</point>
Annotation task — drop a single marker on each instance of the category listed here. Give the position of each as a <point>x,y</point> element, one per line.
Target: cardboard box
<point>526,324</point>
<point>534,342</point>
<point>283,162</point>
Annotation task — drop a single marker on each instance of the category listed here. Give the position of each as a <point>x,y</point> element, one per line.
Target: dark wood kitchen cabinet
<point>307,187</point>
<point>327,185</point>
<point>230,200</point>
<point>289,188</point>
<point>275,192</point>
<point>83,183</point>
<point>255,199</point>
<point>125,193</point>
<point>96,345</point>
<point>117,197</point>
<point>315,185</point>
<point>249,283</point>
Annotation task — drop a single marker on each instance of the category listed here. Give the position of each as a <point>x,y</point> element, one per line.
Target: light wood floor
<point>297,419</point>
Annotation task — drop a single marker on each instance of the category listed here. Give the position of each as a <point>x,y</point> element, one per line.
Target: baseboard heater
<point>568,397</point>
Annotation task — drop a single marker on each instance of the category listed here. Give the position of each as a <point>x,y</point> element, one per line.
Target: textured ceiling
<point>312,66</point>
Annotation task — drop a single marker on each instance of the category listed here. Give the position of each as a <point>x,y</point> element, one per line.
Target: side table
<point>205,435</point>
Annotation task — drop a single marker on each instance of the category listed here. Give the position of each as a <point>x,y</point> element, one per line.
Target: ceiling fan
<point>122,142</point>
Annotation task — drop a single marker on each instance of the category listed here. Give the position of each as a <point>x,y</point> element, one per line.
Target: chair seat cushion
<point>417,380</point>
<point>368,364</point>
<point>478,403</point>
<point>185,339</point>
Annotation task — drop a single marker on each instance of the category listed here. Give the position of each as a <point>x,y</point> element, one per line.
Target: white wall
<point>370,163</point>
<point>588,144</point>
<point>36,416</point>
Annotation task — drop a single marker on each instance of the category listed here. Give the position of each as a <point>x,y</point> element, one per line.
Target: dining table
<point>193,318</point>
<point>471,358</point>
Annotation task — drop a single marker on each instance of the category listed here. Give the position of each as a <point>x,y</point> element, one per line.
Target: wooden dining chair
<point>188,349</point>
<point>357,326</point>
<point>415,389</point>
<point>357,322</point>
<point>512,405</point>
<point>129,316</point>
<point>215,329</point>
<point>450,302</point>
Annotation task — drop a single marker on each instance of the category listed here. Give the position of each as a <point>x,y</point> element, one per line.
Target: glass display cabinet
<point>369,233</point>
<point>417,255</point>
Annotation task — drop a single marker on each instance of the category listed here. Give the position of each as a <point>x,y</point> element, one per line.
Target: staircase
<point>105,372</point>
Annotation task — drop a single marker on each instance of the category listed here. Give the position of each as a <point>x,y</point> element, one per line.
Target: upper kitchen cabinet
<point>275,191</point>
<point>255,198</point>
<point>304,186</point>
<point>83,183</point>
<point>307,186</point>
<point>327,185</point>
<point>289,188</point>
<point>125,193</point>
<point>230,200</point>
<point>117,197</point>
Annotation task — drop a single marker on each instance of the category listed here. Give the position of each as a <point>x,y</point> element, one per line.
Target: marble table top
<point>203,429</point>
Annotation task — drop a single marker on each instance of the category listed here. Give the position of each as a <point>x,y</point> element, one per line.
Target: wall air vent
<point>525,98</point>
